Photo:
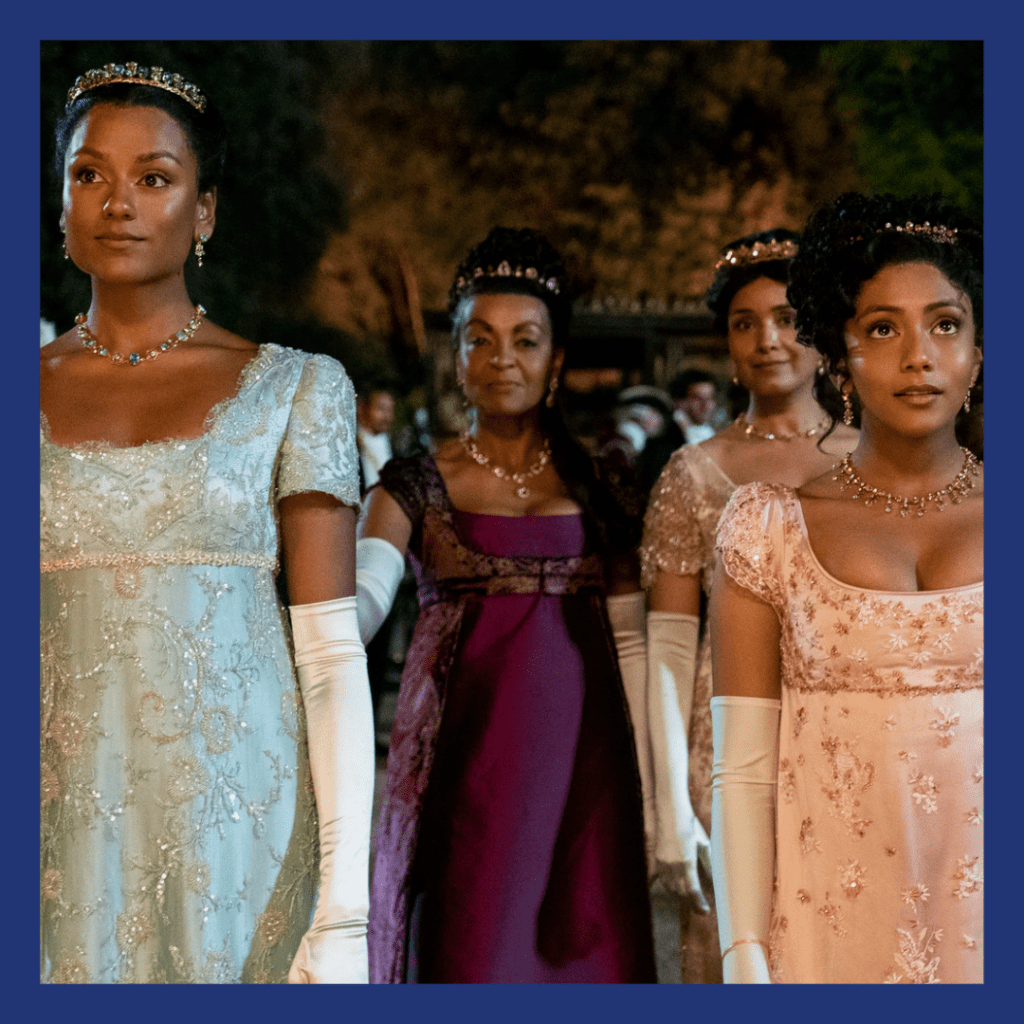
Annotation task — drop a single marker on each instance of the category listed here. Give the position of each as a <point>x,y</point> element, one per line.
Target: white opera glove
<point>679,838</point>
<point>380,567</point>
<point>626,615</point>
<point>330,662</point>
<point>743,787</point>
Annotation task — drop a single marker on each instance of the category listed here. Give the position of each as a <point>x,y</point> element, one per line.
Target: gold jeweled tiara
<point>133,74</point>
<point>936,232</point>
<point>743,255</point>
<point>462,283</point>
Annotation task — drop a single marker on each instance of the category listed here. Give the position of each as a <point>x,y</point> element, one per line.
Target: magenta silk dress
<point>511,838</point>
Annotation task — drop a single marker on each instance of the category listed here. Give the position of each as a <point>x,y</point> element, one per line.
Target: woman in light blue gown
<point>180,788</point>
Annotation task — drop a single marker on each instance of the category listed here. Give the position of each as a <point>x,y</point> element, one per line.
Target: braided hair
<point>511,261</point>
<point>849,241</point>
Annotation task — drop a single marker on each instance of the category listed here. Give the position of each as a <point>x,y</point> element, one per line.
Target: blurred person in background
<point>375,416</point>
<point>652,409</point>
<point>782,436</point>
<point>695,399</point>
<point>511,845</point>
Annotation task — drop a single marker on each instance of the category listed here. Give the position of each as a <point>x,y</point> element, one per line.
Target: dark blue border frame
<point>638,19</point>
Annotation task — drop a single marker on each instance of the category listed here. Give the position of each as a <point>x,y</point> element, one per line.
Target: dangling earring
<point>735,380</point>
<point>64,246</point>
<point>967,400</point>
<point>200,250</point>
<point>847,406</point>
<point>552,388</point>
<point>821,369</point>
<point>64,238</point>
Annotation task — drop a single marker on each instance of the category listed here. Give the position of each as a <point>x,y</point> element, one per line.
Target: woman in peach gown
<point>846,619</point>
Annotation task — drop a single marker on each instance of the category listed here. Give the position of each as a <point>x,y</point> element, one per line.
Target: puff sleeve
<point>318,451</point>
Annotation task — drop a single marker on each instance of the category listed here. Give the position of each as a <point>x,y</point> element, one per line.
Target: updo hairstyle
<point>520,261</point>
<point>729,278</point>
<point>205,131</point>
<point>849,241</point>
<point>516,261</point>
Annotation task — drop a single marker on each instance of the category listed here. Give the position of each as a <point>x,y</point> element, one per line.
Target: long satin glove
<point>679,837</point>
<point>330,662</point>
<point>380,567</point>
<point>626,614</point>
<point>744,780</point>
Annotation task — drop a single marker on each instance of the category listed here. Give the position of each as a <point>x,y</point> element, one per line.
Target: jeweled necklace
<point>750,430</point>
<point>847,476</point>
<point>522,491</point>
<point>92,343</point>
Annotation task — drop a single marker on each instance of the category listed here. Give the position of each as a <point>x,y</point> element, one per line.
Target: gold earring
<point>552,388</point>
<point>200,247</point>
<point>967,401</point>
<point>847,406</point>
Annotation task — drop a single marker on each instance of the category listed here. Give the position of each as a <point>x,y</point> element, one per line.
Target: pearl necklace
<point>750,430</point>
<point>522,491</point>
<point>92,343</point>
<point>847,476</point>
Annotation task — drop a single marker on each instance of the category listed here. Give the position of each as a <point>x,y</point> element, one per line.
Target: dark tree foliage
<point>280,200</point>
<point>919,106</point>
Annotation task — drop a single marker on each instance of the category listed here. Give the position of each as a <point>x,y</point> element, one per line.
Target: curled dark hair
<point>846,243</point>
<point>730,279</point>
<point>612,506</point>
<point>205,131</point>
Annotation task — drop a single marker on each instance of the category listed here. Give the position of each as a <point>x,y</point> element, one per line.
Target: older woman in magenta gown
<point>511,844</point>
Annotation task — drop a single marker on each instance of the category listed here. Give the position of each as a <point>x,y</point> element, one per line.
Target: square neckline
<point>790,495</point>
<point>490,515</point>
<point>217,412</point>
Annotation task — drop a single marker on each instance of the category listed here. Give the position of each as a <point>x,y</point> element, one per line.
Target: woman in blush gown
<point>846,630</point>
<point>782,437</point>
<point>511,842</point>
<point>181,787</point>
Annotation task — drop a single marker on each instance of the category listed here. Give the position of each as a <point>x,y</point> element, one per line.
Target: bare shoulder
<point>823,486</point>
<point>215,337</point>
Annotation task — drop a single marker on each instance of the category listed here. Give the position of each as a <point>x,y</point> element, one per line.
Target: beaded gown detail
<point>511,838</point>
<point>178,825</point>
<point>679,538</point>
<point>879,869</point>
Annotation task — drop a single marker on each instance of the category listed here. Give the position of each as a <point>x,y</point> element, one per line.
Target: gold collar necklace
<point>847,476</point>
<point>92,343</point>
<point>522,491</point>
<point>750,430</point>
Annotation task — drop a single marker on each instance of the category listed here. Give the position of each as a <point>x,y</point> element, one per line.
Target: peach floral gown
<point>879,809</point>
<point>679,538</point>
<point>178,828</point>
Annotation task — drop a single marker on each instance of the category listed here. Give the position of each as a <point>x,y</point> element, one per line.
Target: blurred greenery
<point>920,114</point>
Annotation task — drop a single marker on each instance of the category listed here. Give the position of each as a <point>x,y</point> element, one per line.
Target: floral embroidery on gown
<point>679,538</point>
<point>178,827</point>
<point>880,798</point>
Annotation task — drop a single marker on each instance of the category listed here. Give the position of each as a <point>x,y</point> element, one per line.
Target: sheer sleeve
<point>673,541</point>
<point>318,452</point>
<point>751,541</point>
<point>408,480</point>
